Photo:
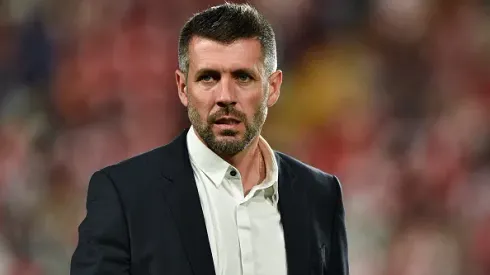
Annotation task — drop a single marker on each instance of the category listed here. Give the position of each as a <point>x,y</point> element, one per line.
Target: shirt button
<point>232,173</point>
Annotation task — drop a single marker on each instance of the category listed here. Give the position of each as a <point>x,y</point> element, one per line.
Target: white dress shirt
<point>245,232</point>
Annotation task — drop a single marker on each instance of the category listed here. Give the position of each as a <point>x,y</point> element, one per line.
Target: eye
<point>205,78</point>
<point>208,76</point>
<point>244,78</point>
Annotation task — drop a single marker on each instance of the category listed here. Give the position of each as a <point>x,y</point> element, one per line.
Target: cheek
<point>260,99</point>
<point>203,103</point>
<point>254,105</point>
<point>200,108</point>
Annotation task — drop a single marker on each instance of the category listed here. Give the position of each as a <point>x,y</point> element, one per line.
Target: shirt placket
<point>244,227</point>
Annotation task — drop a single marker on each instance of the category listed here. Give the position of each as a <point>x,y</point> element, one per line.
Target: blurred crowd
<point>392,96</point>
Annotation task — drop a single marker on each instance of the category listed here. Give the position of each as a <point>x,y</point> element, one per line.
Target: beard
<point>233,146</point>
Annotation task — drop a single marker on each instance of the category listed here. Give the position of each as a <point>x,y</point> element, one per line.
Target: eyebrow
<point>207,71</point>
<point>244,71</point>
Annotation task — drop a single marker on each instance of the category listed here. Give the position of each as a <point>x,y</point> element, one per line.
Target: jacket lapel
<point>183,198</point>
<point>295,219</point>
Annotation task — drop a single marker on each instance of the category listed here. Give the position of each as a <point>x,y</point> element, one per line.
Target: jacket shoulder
<point>135,163</point>
<point>133,171</point>
<point>316,179</point>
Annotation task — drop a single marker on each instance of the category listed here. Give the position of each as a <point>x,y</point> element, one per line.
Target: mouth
<point>227,121</point>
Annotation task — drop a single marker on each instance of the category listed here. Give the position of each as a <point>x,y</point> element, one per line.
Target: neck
<point>244,160</point>
<point>249,163</point>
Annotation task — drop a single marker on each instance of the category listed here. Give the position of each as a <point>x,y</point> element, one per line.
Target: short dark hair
<point>227,23</point>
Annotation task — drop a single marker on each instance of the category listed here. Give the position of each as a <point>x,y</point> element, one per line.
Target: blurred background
<point>392,96</point>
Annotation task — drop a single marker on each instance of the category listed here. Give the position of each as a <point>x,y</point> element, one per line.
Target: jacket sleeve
<point>103,240</point>
<point>338,263</point>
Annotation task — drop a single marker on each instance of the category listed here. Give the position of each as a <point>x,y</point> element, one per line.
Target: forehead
<point>242,53</point>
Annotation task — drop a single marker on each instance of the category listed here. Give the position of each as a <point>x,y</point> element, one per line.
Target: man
<point>217,199</point>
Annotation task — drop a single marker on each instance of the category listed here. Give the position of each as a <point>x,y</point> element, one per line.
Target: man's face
<point>227,92</point>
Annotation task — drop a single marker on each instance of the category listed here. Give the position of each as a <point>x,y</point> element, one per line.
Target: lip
<point>227,126</point>
<point>227,120</point>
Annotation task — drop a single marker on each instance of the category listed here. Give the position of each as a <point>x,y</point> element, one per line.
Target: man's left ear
<point>275,81</point>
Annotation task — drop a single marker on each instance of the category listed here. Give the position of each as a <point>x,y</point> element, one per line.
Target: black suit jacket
<point>144,218</point>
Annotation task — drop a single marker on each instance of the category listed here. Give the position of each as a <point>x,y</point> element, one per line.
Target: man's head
<point>227,75</point>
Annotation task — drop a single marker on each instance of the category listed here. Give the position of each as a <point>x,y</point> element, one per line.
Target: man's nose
<point>226,93</point>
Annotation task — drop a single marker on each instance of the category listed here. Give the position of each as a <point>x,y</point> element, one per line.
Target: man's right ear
<point>181,87</point>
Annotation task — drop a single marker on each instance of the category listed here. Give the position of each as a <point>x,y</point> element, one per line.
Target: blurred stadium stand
<point>393,96</point>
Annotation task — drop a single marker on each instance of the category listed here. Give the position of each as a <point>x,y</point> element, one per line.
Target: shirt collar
<point>216,168</point>
<point>271,168</point>
<point>205,159</point>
